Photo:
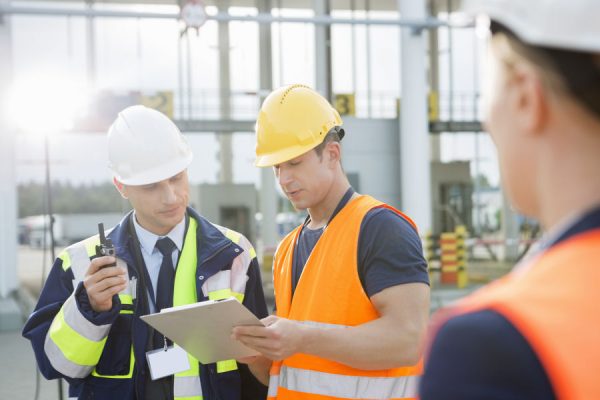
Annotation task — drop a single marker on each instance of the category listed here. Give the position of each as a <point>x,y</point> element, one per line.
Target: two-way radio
<point>106,246</point>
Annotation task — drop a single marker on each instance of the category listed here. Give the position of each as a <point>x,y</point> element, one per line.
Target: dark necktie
<point>166,279</point>
<point>166,276</point>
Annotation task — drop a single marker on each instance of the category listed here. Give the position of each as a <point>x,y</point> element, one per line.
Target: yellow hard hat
<point>292,120</point>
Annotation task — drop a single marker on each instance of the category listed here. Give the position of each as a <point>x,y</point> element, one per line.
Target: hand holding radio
<point>106,247</point>
<point>103,278</point>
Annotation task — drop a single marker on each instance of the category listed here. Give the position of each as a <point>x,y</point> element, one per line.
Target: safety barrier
<point>447,254</point>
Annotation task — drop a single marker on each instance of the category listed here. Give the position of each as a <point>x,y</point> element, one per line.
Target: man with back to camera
<point>86,326</point>
<point>534,334</point>
<point>351,283</point>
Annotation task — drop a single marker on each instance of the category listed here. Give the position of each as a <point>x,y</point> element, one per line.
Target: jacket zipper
<point>217,252</point>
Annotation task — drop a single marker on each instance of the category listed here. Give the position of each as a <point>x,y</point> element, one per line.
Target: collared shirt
<point>152,256</point>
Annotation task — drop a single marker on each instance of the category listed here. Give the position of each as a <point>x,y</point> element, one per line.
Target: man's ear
<point>120,187</point>
<point>529,99</point>
<point>334,152</point>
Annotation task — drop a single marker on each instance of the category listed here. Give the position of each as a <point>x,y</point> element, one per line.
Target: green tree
<point>70,199</point>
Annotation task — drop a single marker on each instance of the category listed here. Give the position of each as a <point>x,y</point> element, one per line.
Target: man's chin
<point>174,217</point>
<point>299,206</point>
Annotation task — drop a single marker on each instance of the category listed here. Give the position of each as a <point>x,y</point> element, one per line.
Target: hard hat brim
<point>157,174</point>
<point>562,24</point>
<point>284,155</point>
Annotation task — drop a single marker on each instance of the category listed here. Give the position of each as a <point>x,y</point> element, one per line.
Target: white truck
<point>68,228</point>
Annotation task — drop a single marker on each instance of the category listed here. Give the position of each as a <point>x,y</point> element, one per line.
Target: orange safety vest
<point>554,303</point>
<point>329,294</point>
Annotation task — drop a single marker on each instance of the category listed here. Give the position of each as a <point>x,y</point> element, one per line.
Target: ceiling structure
<point>374,5</point>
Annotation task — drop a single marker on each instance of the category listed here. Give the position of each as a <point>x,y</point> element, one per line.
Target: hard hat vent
<point>292,120</point>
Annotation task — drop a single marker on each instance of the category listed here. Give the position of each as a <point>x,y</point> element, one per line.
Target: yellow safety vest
<point>74,345</point>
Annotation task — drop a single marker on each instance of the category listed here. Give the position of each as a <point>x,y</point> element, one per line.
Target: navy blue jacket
<point>215,253</point>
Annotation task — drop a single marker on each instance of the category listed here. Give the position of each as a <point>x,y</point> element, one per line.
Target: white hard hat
<point>144,146</point>
<point>565,24</point>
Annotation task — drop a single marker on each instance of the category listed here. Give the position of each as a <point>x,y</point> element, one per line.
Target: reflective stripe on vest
<point>186,384</point>
<point>224,284</point>
<point>341,386</point>
<point>231,283</point>
<point>73,344</point>
<point>304,381</point>
<point>303,376</point>
<point>552,301</point>
<point>218,287</point>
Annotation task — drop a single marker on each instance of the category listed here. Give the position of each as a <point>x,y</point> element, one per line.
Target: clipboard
<point>204,329</point>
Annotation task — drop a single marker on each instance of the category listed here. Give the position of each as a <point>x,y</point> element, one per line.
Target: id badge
<point>167,361</point>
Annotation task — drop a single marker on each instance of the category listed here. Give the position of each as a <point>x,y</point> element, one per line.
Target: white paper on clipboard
<point>204,329</point>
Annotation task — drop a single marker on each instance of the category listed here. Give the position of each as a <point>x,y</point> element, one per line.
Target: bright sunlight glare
<point>45,105</point>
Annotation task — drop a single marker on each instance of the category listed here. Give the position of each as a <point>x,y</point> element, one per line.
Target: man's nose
<point>284,177</point>
<point>169,195</point>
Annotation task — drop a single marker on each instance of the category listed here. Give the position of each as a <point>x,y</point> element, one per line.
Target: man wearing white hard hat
<point>86,326</point>
<point>535,334</point>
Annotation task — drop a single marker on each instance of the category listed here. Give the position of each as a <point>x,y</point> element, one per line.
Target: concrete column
<point>353,47</point>
<point>8,192</point>
<point>434,81</point>
<point>414,136</point>
<point>91,48</point>
<point>368,61</point>
<point>225,138</point>
<point>323,50</point>
<point>267,193</point>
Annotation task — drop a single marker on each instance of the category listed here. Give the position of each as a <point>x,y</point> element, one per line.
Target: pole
<point>50,225</point>
<point>415,169</point>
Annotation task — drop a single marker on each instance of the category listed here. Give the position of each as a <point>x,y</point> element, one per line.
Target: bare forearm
<point>379,344</point>
<point>392,340</point>
<point>260,369</point>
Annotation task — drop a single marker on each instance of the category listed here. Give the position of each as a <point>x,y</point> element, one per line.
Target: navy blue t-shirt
<point>481,355</point>
<point>389,250</point>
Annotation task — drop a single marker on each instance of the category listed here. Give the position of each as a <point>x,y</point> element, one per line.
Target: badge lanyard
<point>145,281</point>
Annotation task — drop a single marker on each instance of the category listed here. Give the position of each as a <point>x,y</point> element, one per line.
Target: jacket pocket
<point>117,357</point>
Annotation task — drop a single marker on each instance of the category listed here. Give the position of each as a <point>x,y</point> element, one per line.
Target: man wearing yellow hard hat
<point>535,334</point>
<point>351,283</point>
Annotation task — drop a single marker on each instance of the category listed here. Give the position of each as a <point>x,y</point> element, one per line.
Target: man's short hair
<point>576,73</point>
<point>334,135</point>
